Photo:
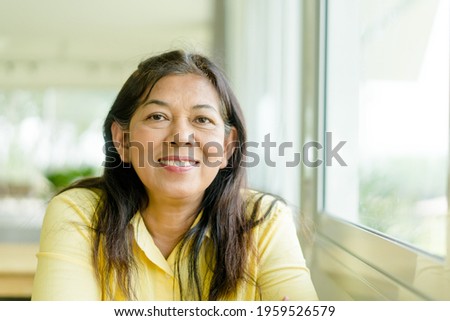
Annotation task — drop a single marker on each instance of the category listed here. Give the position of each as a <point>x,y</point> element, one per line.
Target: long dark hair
<point>122,194</point>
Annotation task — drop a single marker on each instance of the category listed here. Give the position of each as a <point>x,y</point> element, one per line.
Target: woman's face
<point>176,138</point>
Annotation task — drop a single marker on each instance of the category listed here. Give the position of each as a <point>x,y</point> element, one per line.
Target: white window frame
<point>349,261</point>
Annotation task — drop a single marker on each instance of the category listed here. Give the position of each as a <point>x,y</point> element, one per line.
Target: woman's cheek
<point>213,153</point>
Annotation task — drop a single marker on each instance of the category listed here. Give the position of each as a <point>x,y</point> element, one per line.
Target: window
<point>387,96</point>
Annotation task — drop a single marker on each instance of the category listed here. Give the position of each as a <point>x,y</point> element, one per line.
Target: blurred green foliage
<point>390,193</point>
<point>64,177</point>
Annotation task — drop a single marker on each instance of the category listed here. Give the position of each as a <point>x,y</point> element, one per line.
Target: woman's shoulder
<point>78,204</point>
<point>271,217</point>
<point>80,196</point>
<point>263,199</point>
<point>264,206</point>
<point>67,227</point>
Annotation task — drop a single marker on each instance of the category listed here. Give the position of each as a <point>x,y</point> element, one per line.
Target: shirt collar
<point>145,241</point>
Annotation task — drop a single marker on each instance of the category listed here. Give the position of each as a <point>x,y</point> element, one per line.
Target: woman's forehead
<point>196,88</point>
<point>163,81</point>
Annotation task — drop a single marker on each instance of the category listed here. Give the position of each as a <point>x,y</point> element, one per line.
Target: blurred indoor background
<point>63,62</point>
<point>374,73</point>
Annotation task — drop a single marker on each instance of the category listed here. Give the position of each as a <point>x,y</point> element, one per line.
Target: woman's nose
<point>182,134</point>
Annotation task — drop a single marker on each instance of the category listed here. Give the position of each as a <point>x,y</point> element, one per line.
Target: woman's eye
<point>203,120</point>
<point>156,117</point>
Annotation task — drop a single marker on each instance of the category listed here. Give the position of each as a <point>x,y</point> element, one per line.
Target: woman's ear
<point>120,141</point>
<point>230,144</point>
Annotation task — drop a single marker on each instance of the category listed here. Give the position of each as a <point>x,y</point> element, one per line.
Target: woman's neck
<point>168,220</point>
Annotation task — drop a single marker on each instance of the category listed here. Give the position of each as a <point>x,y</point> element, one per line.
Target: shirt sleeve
<point>64,270</point>
<point>282,268</point>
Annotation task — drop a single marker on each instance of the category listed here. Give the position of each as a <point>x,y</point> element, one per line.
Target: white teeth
<point>177,163</point>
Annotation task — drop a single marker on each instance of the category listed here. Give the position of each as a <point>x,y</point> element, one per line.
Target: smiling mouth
<point>178,162</point>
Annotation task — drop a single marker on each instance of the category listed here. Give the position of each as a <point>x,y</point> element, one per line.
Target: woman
<point>170,218</point>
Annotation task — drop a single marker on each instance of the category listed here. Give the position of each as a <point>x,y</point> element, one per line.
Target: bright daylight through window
<point>387,94</point>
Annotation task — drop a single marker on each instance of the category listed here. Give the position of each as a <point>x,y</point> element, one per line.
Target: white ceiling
<point>56,42</point>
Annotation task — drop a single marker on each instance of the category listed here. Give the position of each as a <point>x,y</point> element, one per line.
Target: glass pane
<point>388,97</point>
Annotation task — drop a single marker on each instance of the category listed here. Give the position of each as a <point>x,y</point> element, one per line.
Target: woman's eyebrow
<point>164,104</point>
<point>156,102</point>
<point>204,106</point>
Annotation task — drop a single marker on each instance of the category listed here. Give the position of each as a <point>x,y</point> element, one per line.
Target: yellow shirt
<point>65,270</point>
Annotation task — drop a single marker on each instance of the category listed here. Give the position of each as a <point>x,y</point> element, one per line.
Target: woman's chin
<point>178,192</point>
